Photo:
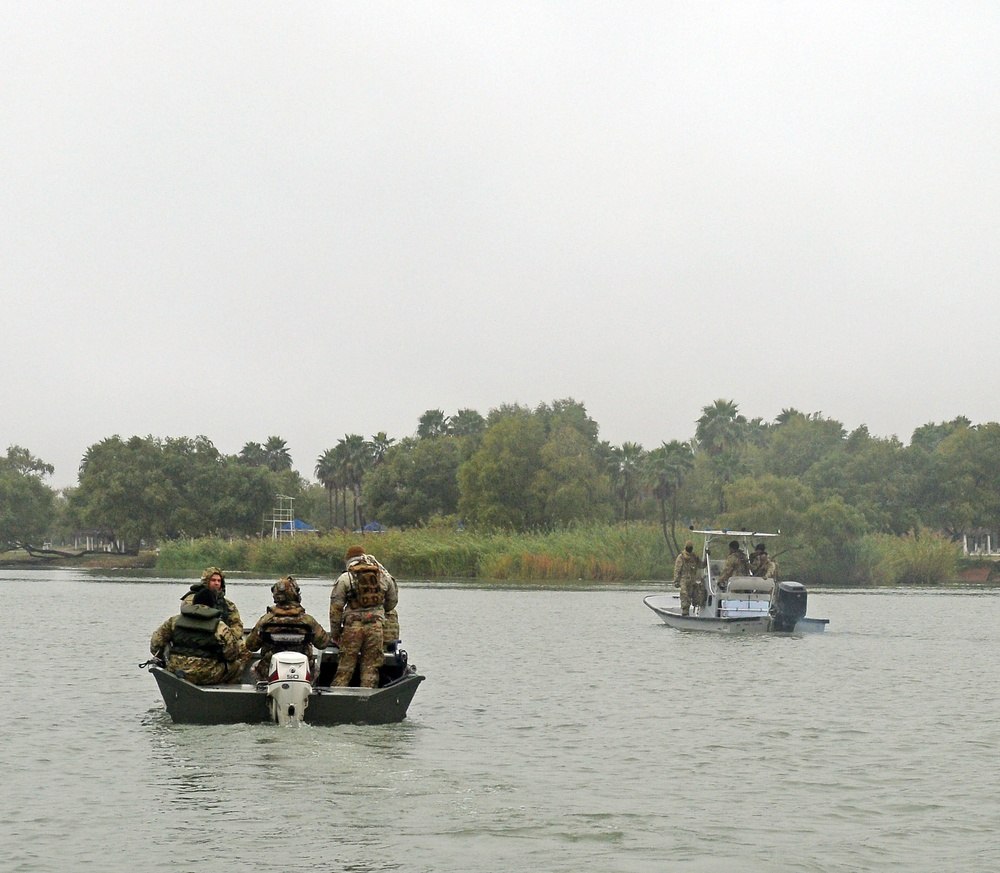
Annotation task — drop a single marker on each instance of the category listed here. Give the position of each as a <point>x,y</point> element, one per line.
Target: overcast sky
<point>312,219</point>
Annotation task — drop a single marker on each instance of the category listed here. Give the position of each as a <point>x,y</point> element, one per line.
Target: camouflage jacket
<point>687,567</point>
<point>736,565</point>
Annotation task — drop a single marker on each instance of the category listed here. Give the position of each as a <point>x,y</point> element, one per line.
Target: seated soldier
<point>285,627</point>
<point>213,580</point>
<point>197,645</point>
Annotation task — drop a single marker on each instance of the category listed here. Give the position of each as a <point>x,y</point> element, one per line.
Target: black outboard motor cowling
<point>788,605</point>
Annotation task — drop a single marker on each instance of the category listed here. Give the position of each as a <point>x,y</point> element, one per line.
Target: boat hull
<point>247,704</point>
<point>668,609</point>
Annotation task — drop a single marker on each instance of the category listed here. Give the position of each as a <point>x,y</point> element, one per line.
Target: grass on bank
<point>601,553</point>
<point>605,553</point>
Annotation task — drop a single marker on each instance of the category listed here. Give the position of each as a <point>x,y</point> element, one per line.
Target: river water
<point>559,729</point>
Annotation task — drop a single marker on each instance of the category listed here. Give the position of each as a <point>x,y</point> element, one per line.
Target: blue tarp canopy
<point>296,524</point>
<point>374,526</point>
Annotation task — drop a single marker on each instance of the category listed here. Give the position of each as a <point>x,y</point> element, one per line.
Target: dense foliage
<point>838,496</point>
<point>27,504</point>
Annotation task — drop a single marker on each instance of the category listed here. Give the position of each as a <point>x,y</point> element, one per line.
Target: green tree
<point>253,455</point>
<point>961,490</point>
<point>122,486</point>
<point>357,460</point>
<point>721,432</point>
<point>467,423</point>
<point>627,459</point>
<point>276,454</point>
<point>328,472</point>
<point>27,504</point>
<point>570,483</point>
<point>433,423</point>
<point>666,468</point>
<point>798,443</point>
<point>381,443</point>
<point>497,482</point>
<point>417,481</point>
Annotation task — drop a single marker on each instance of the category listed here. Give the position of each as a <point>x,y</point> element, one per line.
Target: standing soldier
<point>197,645</point>
<point>736,565</point>
<point>390,628</point>
<point>358,604</point>
<point>687,577</point>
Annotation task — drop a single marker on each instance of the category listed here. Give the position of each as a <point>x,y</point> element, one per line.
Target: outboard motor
<point>289,684</point>
<point>788,605</point>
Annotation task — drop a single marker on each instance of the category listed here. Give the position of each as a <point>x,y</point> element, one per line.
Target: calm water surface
<point>558,730</point>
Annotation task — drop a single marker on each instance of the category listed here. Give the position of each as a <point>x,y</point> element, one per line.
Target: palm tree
<point>666,467</point>
<point>252,455</point>
<point>357,459</point>
<point>467,422</point>
<point>432,423</point>
<point>276,455</point>
<point>381,443</point>
<point>626,458</point>
<point>721,427</point>
<point>328,473</point>
<point>722,432</point>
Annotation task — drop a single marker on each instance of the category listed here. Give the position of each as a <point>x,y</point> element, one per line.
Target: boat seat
<point>740,585</point>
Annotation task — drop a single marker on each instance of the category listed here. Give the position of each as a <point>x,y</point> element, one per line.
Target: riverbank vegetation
<point>535,493</point>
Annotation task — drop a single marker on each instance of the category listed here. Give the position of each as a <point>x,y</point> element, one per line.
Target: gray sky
<point>312,219</point>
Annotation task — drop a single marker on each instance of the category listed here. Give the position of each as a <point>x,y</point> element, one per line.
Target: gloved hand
<point>677,584</point>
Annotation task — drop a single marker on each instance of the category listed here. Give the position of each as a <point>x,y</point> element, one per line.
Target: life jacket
<point>194,632</point>
<point>365,589</point>
<point>220,600</point>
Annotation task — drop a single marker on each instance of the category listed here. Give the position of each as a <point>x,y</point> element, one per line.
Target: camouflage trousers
<point>390,630</point>
<point>692,594</point>
<point>362,638</point>
<point>205,671</point>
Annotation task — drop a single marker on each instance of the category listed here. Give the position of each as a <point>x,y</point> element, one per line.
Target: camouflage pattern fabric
<point>390,630</point>
<point>736,565</point>
<point>360,636</point>
<point>205,671</point>
<point>230,614</point>
<point>197,670</point>
<point>687,577</point>
<point>284,615</point>
<point>341,608</point>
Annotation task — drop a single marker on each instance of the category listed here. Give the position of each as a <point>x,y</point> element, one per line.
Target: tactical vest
<point>365,589</point>
<point>194,634</point>
<point>287,637</point>
<point>220,601</point>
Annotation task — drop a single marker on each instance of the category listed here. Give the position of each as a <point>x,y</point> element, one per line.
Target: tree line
<point>532,469</point>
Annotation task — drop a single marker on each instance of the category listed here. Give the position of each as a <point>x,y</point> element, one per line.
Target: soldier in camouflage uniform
<point>197,645</point>
<point>736,565</point>
<point>687,577</point>
<point>390,628</point>
<point>763,565</point>
<point>286,619</point>
<point>214,581</point>
<point>358,604</point>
